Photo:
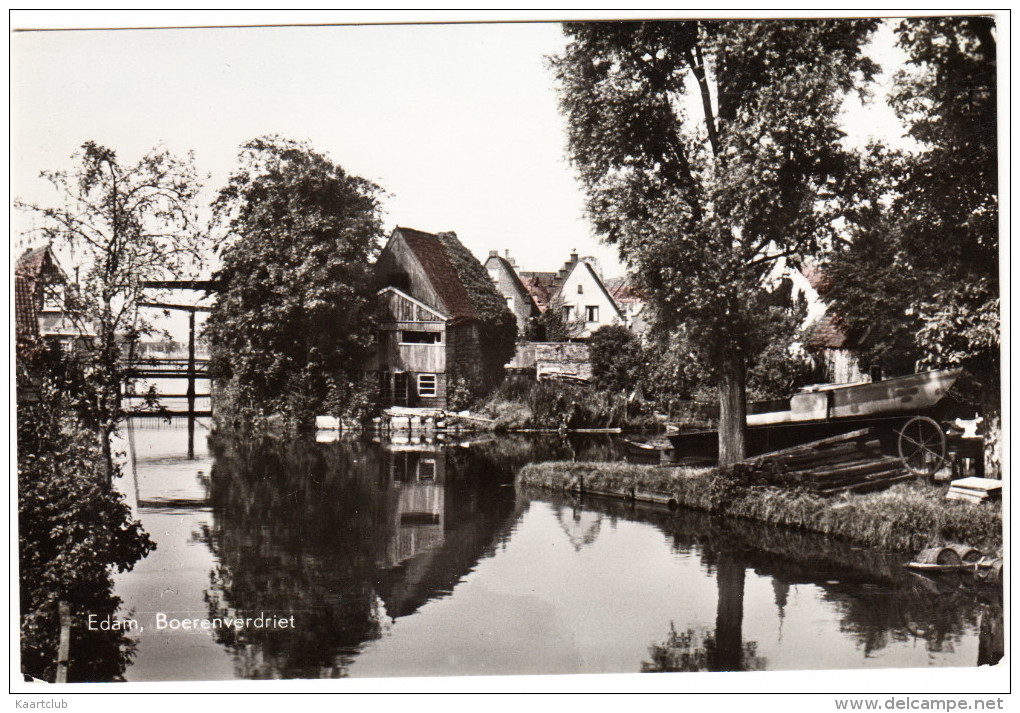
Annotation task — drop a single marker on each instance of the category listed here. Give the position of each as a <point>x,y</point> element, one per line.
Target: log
<point>850,469</point>
<point>867,485</point>
<point>813,445</point>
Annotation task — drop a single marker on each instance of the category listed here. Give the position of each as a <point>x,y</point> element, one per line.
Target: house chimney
<point>513,263</point>
<point>573,255</point>
<point>494,253</point>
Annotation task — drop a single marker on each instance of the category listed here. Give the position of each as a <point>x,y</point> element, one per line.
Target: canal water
<point>411,559</point>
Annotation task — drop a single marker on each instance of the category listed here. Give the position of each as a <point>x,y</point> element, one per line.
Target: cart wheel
<point>922,446</point>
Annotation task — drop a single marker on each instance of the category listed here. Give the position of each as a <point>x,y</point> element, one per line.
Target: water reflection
<point>422,559</point>
<point>343,537</point>
<point>877,602</point>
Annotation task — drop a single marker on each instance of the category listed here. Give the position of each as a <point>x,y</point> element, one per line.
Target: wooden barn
<point>428,329</point>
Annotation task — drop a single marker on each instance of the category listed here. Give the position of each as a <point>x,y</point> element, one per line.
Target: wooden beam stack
<point>849,462</point>
<point>975,490</point>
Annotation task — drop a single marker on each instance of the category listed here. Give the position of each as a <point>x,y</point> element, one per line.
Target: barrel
<point>967,554</point>
<point>938,555</point>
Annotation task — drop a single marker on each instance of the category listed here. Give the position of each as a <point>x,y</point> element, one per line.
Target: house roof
<point>432,256</point>
<point>522,287</point>
<point>26,314</point>
<point>33,263</point>
<point>539,286</point>
<point>828,333</point>
<point>623,290</point>
<point>33,267</point>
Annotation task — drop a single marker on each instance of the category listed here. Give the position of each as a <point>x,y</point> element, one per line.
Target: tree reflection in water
<point>877,601</point>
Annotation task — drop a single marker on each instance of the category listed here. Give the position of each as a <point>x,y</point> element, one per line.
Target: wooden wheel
<point>922,445</point>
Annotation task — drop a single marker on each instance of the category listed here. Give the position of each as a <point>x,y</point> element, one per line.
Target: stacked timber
<point>975,490</point>
<point>849,462</point>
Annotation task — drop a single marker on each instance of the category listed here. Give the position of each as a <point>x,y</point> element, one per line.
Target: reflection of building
<point>440,518</point>
<point>416,499</point>
<point>582,527</point>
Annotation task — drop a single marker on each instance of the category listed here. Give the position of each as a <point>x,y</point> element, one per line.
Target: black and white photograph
<point>456,348</point>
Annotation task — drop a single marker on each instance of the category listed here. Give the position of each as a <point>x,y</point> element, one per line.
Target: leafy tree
<point>708,150</point>
<point>931,248</point>
<point>124,225</point>
<point>292,324</point>
<point>72,529</point>
<point>617,358</point>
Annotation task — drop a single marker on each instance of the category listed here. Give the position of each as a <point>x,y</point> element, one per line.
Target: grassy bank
<point>906,517</point>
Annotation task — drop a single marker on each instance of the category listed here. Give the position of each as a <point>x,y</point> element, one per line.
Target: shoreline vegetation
<point>906,517</point>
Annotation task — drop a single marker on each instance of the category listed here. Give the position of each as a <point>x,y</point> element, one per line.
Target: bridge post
<point>191,384</point>
<point>191,364</point>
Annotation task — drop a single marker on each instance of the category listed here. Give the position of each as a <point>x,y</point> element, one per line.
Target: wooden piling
<point>64,646</point>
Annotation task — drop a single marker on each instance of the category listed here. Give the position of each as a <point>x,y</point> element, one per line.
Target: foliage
<point>124,225</point>
<point>529,404</point>
<point>701,208</point>
<point>931,248</point>
<point>697,650</point>
<point>71,531</point>
<point>497,327</point>
<point>617,358</point>
<point>292,324</point>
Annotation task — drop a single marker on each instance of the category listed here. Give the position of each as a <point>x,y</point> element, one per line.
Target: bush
<point>519,405</point>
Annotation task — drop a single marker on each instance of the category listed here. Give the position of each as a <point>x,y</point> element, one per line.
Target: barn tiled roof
<point>828,333</point>
<point>440,271</point>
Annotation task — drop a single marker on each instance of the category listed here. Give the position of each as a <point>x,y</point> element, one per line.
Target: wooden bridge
<point>190,368</point>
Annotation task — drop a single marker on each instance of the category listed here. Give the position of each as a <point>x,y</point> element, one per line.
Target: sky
<point>458,123</point>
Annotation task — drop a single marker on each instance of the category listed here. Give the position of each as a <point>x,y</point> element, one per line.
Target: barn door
<point>400,390</point>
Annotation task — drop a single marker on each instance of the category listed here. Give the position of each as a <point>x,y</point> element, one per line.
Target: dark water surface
<point>425,560</point>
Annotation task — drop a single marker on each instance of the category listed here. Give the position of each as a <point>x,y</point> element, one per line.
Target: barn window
<point>426,384</point>
<point>591,313</point>
<point>412,337</point>
<point>400,280</point>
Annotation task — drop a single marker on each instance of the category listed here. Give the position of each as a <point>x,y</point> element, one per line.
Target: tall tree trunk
<point>732,408</point>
